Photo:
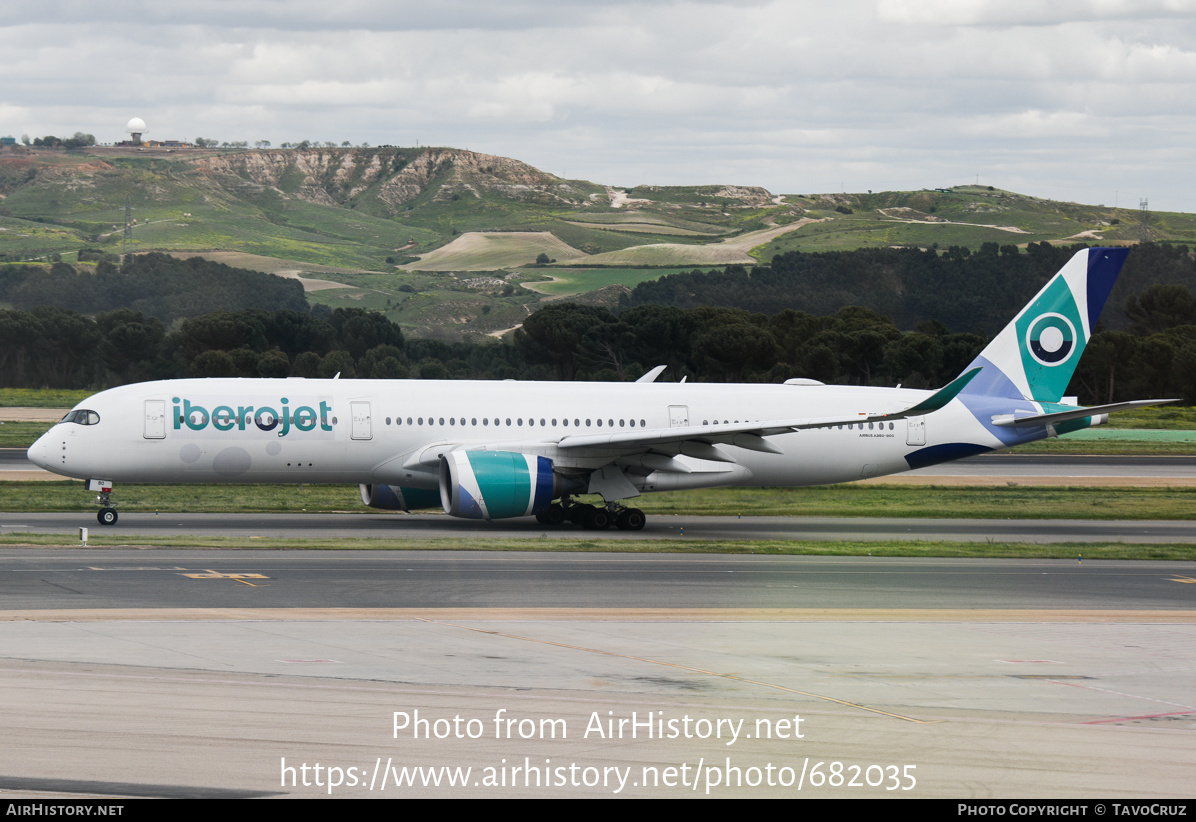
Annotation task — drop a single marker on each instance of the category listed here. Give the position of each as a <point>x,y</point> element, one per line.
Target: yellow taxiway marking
<point>242,578</point>
<point>681,667</point>
<point>1189,580</point>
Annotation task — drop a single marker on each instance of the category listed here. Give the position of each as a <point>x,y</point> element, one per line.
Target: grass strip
<point>22,434</point>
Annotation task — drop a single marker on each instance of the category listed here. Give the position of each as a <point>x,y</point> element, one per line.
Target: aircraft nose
<point>39,452</point>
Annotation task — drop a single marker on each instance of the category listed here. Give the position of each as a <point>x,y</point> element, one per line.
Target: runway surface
<point>66,579</point>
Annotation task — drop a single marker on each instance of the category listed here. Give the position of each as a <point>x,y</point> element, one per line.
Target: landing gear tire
<point>630,519</point>
<point>598,519</point>
<point>107,516</point>
<point>553,515</point>
<point>579,514</point>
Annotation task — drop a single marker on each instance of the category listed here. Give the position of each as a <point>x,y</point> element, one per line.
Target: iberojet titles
<point>247,417</point>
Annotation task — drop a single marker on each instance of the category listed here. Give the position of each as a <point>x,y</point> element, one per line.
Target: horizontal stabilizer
<point>1006,420</point>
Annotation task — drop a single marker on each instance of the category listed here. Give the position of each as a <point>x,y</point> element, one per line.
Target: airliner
<point>496,449</point>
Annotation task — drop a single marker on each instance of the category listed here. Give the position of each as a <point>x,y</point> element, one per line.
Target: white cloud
<point>790,95</point>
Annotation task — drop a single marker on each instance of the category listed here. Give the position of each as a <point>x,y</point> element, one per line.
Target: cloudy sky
<point>1085,100</point>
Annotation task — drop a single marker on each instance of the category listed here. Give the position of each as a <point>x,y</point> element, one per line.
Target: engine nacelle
<point>397,498</point>
<point>495,484</point>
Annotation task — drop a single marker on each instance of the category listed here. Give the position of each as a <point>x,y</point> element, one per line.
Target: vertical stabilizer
<point>1035,355</point>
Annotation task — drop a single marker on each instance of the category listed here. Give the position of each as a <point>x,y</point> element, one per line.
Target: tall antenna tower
<point>1143,207</point>
<point>127,255</point>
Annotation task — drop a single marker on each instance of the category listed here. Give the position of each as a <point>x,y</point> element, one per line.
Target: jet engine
<point>397,498</point>
<point>496,484</point>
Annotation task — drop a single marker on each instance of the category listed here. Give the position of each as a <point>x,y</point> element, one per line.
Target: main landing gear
<point>593,517</point>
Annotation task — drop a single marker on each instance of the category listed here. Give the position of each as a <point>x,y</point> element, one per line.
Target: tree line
<point>1152,354</point>
<point>77,140</point>
<point>156,285</point>
<point>58,347</point>
<point>976,292</point>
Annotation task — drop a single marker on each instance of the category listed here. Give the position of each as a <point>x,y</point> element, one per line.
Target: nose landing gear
<point>107,513</point>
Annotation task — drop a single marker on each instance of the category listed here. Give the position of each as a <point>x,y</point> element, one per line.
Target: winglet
<point>941,397</point>
<point>653,374</point>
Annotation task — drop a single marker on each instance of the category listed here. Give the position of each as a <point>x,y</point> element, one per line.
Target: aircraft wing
<point>692,440</point>
<point>750,435</point>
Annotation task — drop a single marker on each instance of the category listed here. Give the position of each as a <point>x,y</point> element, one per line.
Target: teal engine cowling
<point>496,484</point>
<point>398,498</point>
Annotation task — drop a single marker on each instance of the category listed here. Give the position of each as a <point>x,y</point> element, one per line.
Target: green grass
<point>1162,417</point>
<point>30,236</point>
<point>42,397</point>
<point>1076,551</point>
<point>844,233</point>
<point>21,434</point>
<point>1069,446</point>
<point>969,211</point>
<point>245,220</point>
<point>990,502</point>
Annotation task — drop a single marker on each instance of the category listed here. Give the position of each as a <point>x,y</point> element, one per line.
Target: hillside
<point>443,240</point>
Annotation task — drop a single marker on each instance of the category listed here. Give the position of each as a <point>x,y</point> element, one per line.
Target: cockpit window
<point>82,416</point>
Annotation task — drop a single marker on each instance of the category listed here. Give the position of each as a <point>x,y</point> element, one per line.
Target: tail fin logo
<point>1051,334</point>
<point>1051,339</point>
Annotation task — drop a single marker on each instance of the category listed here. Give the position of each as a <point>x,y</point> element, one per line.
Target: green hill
<point>444,239</point>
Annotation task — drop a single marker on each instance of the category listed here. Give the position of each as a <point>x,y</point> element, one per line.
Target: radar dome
<point>136,125</point>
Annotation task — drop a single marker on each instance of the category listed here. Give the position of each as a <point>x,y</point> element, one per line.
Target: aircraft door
<point>360,412</point>
<point>155,419</point>
<point>915,431</point>
<point>678,416</point>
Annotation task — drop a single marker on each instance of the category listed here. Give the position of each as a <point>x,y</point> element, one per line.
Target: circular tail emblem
<point>1051,339</point>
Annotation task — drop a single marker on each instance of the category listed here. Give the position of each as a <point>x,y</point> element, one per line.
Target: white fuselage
<point>392,431</point>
